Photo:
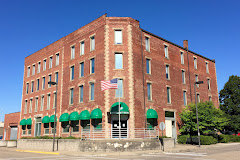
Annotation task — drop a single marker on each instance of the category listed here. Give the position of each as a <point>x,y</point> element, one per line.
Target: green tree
<point>230,102</point>
<point>211,119</point>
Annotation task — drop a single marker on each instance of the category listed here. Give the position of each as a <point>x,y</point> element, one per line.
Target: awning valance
<point>84,115</point>
<point>151,113</point>
<point>64,117</point>
<point>74,116</point>
<point>96,114</point>
<point>23,122</point>
<point>45,119</point>
<point>29,121</point>
<point>52,118</point>
<point>123,108</point>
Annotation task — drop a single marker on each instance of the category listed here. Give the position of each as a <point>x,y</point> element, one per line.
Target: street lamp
<point>55,117</point>
<point>198,82</point>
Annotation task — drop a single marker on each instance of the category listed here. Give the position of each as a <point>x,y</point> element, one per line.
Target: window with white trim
<point>183,77</point>
<point>50,62</point>
<point>195,62</point>
<point>185,98</point>
<point>119,91</point>
<point>168,95</point>
<point>43,83</point>
<point>57,59</point>
<point>39,67</point>
<point>207,70</point>
<point>92,43</point>
<point>36,104</point>
<point>208,82</point>
<point>147,44</point>
<point>167,72</point>
<point>166,51</point>
<point>32,87</point>
<point>91,95</point>
<point>37,88</point>
<point>72,73</point>
<point>42,102</point>
<point>81,69</point>
<point>48,101</point>
<point>33,69</point>
<point>82,48</point>
<point>92,66</point>
<point>49,80</point>
<point>118,36</point>
<point>27,87</point>
<point>44,64</point>
<point>30,106</point>
<point>149,91</point>
<point>118,61</point>
<point>71,96</point>
<point>210,98</point>
<point>148,66</point>
<point>196,80</point>
<point>56,77</point>
<point>81,93</point>
<point>28,71</point>
<point>72,52</point>
<point>25,107</point>
<point>54,99</point>
<point>182,57</point>
<point>198,98</point>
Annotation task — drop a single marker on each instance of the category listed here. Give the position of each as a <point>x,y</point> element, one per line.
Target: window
<point>182,57</point>
<point>24,130</point>
<point>72,73</point>
<point>195,62</point>
<point>82,48</point>
<point>196,80</point>
<point>167,72</point>
<point>43,83</point>
<point>29,128</point>
<point>207,70</point>
<point>48,101</point>
<point>72,52</point>
<point>210,98</point>
<point>56,77</point>
<point>53,129</point>
<point>81,93</point>
<point>32,89</point>
<point>54,99</point>
<point>75,126</point>
<point>148,66</point>
<point>57,59</point>
<point>208,82</point>
<point>37,89</point>
<point>92,66</point>
<point>118,61</point>
<point>42,103</point>
<point>92,43</point>
<point>166,51</point>
<point>50,62</point>
<point>149,91</point>
<point>65,126</point>
<point>118,36</point>
<point>71,96</point>
<point>97,124</point>
<point>28,72</point>
<point>183,77</point>
<point>147,44</point>
<point>198,97</point>
<point>168,95</point>
<point>25,108</point>
<point>49,80</point>
<point>169,114</point>
<point>33,69</point>
<point>185,98</point>
<point>36,104</point>
<point>39,67</point>
<point>81,69</point>
<point>119,91</point>
<point>30,106</point>
<point>91,91</point>
<point>27,86</point>
<point>85,125</point>
<point>44,64</point>
<point>46,128</point>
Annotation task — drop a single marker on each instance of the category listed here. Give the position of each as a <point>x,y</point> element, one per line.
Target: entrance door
<point>123,129</point>
<point>13,134</point>
<point>170,128</point>
<point>38,126</point>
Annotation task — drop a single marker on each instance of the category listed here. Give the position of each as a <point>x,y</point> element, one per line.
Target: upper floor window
<point>208,82</point>
<point>37,89</point>
<point>42,102</point>
<point>27,86</point>
<point>183,77</point>
<point>167,72</point>
<point>25,107</point>
<point>119,91</point>
<point>30,106</point>
<point>210,98</point>
<point>81,69</point>
<point>92,66</point>
<point>196,80</point>
<point>39,67</point>
<point>91,92</point>
<point>50,62</point>
<point>166,51</point>
<point>71,96</point>
<point>168,95</point>
<point>149,91</point>
<point>54,98</point>
<point>147,44</point>
<point>82,48</point>
<point>57,59</point>
<point>195,62</point>
<point>118,36</point>
<point>72,52</point>
<point>72,73</point>
<point>48,101</point>
<point>198,98</point>
<point>36,104</point>
<point>92,43</point>
<point>32,89</point>
<point>182,57</point>
<point>44,64</point>
<point>49,80</point>
<point>207,70</point>
<point>118,61</point>
<point>28,71</point>
<point>43,83</point>
<point>148,66</point>
<point>33,69</point>
<point>81,93</point>
<point>56,77</point>
<point>185,98</point>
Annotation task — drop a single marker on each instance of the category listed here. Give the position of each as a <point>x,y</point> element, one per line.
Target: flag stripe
<point>110,84</point>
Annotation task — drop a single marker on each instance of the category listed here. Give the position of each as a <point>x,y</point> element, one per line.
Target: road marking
<point>55,153</point>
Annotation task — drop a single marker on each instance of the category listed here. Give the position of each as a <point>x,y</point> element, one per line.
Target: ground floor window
<point>75,126</point>
<point>85,125</point>
<point>65,126</point>
<point>97,124</point>
<point>24,130</point>
<point>29,127</point>
<point>46,128</point>
<point>52,126</point>
<point>151,123</point>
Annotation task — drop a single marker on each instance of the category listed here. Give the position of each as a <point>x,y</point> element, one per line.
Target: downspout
<point>144,103</point>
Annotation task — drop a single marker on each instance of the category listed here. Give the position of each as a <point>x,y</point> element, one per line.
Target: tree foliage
<point>211,119</point>
<point>230,102</point>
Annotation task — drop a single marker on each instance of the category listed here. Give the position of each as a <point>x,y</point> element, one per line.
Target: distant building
<point>11,123</point>
<point>1,129</point>
<point>156,79</point>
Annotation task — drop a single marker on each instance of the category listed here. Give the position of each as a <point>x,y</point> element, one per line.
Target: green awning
<point>52,118</point>
<point>84,115</point>
<point>151,113</point>
<point>74,116</point>
<point>29,121</point>
<point>96,114</point>
<point>45,119</point>
<point>64,117</point>
<point>123,108</point>
<point>23,122</point>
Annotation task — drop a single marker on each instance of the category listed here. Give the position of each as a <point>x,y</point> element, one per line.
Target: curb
<point>41,152</point>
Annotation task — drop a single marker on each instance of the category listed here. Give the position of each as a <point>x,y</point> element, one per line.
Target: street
<point>217,152</point>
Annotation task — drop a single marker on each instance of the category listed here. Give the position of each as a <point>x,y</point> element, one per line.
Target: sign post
<point>162,127</point>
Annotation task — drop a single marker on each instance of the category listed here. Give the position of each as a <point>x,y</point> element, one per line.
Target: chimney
<point>185,44</point>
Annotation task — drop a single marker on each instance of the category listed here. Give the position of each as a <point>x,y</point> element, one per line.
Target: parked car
<point>1,137</point>
<point>237,134</point>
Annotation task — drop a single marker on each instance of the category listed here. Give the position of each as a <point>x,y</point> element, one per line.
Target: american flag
<point>110,84</point>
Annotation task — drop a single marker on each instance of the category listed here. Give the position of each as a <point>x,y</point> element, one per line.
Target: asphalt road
<point>219,152</point>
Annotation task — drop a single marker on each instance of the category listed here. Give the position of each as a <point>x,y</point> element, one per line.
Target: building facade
<point>11,123</point>
<point>155,79</point>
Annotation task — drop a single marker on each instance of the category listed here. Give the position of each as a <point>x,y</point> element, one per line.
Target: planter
<point>3,143</point>
<point>11,144</point>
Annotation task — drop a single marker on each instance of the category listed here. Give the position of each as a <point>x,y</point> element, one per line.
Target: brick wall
<point>11,119</point>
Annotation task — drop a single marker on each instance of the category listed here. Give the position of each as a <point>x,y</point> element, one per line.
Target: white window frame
<point>44,64</point>
<point>169,96</point>
<point>183,76</point>
<point>80,69</point>
<point>48,101</point>
<point>73,51</point>
<point>90,91</point>
<point>209,83</point>
<point>25,106</point>
<point>39,67</point>
<point>42,103</point>
<point>116,91</point>
<point>36,104</point>
<point>195,62</point>
<point>33,69</point>
<point>166,51</point>
<point>28,71</point>
<point>80,93</point>
<point>57,59</point>
<point>185,97</point>
<point>147,43</point>
<point>43,82</point>
<point>148,59</point>
<point>91,72</point>
<point>121,60</point>
<point>182,57</point>
<point>196,79</point>
<point>167,71</point>
<point>92,43</point>
<point>82,47</point>
<point>150,85</point>
<point>207,67</point>
<point>30,105</point>
<point>50,62</point>
<point>118,37</point>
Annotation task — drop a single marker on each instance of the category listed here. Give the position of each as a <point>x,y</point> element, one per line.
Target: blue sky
<point>211,27</point>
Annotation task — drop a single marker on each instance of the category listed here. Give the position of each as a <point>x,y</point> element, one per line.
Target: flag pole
<point>119,108</point>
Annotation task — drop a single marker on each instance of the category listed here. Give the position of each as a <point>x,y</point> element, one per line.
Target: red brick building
<point>11,122</point>
<point>156,79</point>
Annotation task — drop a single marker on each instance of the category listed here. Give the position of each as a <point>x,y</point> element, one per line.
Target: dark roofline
<point>213,60</point>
